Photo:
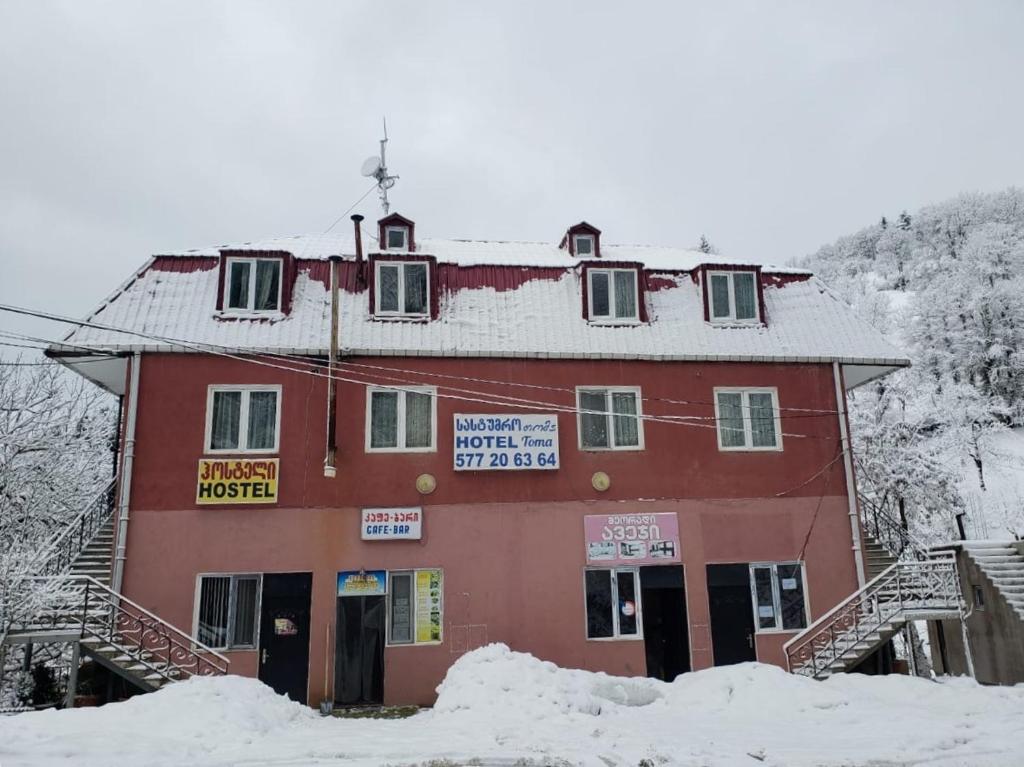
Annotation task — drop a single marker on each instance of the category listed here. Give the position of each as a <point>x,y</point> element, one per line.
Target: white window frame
<point>613,317</point>
<point>231,609</point>
<point>377,311</point>
<point>387,237</point>
<point>576,238</point>
<point>387,604</point>
<point>748,437</point>
<point>777,597</point>
<point>609,390</point>
<point>243,419</point>
<point>400,426</point>
<point>731,318</point>
<point>249,307</point>
<point>616,636</point>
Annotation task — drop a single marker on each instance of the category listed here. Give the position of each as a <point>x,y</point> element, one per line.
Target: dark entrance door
<point>732,614</point>
<point>359,668</point>
<point>284,633</point>
<point>666,635</point>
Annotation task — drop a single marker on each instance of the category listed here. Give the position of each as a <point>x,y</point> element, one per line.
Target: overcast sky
<point>129,128</point>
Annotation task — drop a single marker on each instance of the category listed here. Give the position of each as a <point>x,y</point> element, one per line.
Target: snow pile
<point>495,677</point>
<point>497,706</point>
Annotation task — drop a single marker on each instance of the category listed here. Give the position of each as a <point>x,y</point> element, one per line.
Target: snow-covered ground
<point>507,708</point>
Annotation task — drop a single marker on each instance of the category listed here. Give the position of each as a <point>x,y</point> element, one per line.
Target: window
<point>253,285</point>
<point>733,296</point>
<point>243,419</point>
<point>402,288</point>
<point>609,419</point>
<point>979,597</point>
<point>778,592</point>
<point>397,238</point>
<point>227,613</point>
<point>583,244</point>
<point>415,606</point>
<point>748,419</point>
<point>612,295</point>
<point>613,603</point>
<point>400,420</point>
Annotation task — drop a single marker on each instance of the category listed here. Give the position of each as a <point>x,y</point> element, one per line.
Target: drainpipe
<point>126,474</point>
<point>330,468</point>
<point>851,487</point>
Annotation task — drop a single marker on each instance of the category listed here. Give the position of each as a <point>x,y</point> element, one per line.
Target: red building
<point>619,458</point>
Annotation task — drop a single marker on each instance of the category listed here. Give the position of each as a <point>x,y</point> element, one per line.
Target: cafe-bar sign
<point>237,481</point>
<point>506,442</point>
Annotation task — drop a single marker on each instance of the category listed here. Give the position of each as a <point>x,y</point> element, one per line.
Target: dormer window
<point>582,240</point>
<point>732,297</point>
<point>396,238</point>
<point>613,295</point>
<point>401,289</point>
<point>396,233</point>
<point>252,285</point>
<point>583,245</point>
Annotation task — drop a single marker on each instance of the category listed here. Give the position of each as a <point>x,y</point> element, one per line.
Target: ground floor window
<point>415,606</point>
<point>778,592</point>
<point>227,613</point>
<point>613,603</point>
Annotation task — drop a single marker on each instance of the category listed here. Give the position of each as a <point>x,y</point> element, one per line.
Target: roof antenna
<point>377,167</point>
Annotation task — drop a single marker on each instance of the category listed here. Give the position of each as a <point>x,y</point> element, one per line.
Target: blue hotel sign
<point>491,442</point>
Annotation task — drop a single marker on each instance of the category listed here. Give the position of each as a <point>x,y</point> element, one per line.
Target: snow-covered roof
<point>489,252</point>
<point>805,322</point>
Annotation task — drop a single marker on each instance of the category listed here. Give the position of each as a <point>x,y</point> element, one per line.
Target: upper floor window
<point>613,295</point>
<point>396,238</point>
<point>778,593</point>
<point>253,285</point>
<point>401,420</point>
<point>402,288</point>
<point>243,419</point>
<point>583,245</point>
<point>748,419</point>
<point>609,418</point>
<point>733,296</point>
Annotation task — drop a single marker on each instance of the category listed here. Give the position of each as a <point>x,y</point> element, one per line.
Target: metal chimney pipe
<point>360,269</point>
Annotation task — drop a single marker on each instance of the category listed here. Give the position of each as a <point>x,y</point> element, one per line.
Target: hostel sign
<point>236,481</point>
<point>490,442</point>
<point>631,539</point>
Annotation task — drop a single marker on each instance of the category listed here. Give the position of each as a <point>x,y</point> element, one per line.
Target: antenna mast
<point>377,167</point>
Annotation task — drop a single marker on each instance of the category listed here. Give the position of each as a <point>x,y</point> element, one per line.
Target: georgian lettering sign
<point>237,481</point>
<point>631,539</point>
<point>491,442</point>
<point>391,524</point>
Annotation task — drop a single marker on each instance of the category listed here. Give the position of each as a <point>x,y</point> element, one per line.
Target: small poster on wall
<point>362,583</point>
<point>428,606</point>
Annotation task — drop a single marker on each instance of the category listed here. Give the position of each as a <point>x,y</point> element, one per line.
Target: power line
<point>479,397</point>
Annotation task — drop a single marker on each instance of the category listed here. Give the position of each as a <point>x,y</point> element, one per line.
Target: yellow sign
<point>237,480</point>
<point>428,605</point>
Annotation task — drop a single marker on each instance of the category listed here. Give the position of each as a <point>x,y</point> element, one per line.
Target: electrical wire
<point>349,209</point>
<point>366,380</point>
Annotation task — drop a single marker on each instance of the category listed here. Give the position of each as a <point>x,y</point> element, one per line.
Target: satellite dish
<point>370,166</point>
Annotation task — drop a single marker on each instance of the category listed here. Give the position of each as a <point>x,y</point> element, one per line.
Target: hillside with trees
<point>944,438</point>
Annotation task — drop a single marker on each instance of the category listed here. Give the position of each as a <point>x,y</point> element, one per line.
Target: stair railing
<point>899,593</point>
<point>83,604</point>
<point>56,556</point>
<point>889,531</point>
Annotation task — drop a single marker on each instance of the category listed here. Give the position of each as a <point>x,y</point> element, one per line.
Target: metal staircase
<point>842,638</point>
<point>68,599</point>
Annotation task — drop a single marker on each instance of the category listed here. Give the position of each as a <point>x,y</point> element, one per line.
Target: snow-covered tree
<point>56,433</point>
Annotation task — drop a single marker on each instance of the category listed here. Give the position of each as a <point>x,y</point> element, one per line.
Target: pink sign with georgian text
<point>631,539</point>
